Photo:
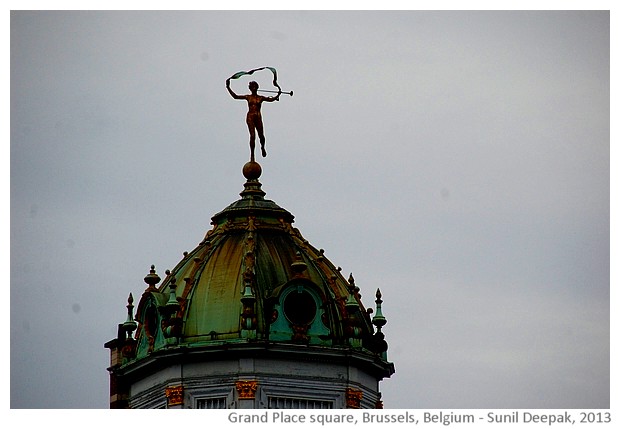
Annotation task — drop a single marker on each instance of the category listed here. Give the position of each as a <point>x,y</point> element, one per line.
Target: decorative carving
<point>171,326</point>
<point>210,232</point>
<point>249,259</point>
<point>251,223</point>
<point>247,389</point>
<point>149,324</point>
<point>299,267</point>
<point>151,342</point>
<point>300,334</point>
<point>248,317</point>
<point>174,395</point>
<point>379,403</point>
<point>129,349</point>
<point>353,397</point>
<point>286,226</point>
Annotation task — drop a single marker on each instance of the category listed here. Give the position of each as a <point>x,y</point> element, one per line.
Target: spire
<point>170,318</point>
<point>351,305</point>
<point>172,305</point>
<point>130,325</point>
<point>378,320</point>
<point>380,345</point>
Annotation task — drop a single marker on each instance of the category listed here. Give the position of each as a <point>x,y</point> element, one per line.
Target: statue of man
<point>254,118</point>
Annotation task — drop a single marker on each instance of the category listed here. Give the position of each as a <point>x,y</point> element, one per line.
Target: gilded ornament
<point>174,395</point>
<point>247,389</point>
<point>353,397</point>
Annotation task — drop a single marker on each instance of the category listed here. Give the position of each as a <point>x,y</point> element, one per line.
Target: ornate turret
<point>253,288</point>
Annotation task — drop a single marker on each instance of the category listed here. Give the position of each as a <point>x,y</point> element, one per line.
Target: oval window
<point>299,307</point>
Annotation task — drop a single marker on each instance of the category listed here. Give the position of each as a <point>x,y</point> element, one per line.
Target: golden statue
<point>254,118</point>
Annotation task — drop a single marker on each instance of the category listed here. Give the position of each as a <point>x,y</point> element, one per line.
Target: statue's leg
<point>261,136</point>
<point>252,139</point>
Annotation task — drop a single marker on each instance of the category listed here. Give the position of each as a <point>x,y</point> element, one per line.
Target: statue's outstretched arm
<point>274,98</point>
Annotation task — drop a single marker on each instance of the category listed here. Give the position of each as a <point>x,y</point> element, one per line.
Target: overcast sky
<point>460,161</point>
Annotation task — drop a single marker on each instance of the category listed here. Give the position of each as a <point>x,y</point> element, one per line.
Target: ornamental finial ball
<point>252,170</point>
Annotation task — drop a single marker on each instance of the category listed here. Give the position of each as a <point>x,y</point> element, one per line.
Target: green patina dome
<point>254,279</point>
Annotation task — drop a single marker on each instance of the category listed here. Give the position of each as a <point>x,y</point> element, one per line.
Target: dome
<point>254,278</point>
<point>254,289</point>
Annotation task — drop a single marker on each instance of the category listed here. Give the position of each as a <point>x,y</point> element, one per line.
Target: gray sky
<point>457,160</point>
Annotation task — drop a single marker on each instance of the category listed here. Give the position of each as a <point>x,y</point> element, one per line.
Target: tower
<point>253,317</point>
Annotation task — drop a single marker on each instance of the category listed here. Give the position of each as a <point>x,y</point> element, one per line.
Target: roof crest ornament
<point>152,279</point>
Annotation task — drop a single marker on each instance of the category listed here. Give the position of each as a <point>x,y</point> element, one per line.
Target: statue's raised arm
<point>232,93</point>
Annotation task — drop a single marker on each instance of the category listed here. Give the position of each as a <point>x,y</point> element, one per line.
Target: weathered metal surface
<point>233,287</point>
